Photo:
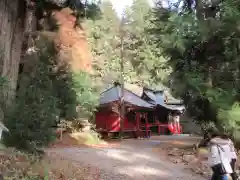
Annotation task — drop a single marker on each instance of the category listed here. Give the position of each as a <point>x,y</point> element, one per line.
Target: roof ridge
<point>138,96</point>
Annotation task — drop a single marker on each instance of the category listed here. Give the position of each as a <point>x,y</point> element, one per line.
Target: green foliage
<point>76,93</point>
<point>103,36</point>
<point>203,50</point>
<point>52,93</point>
<point>31,120</point>
<point>86,95</point>
<point>143,62</point>
<point>230,118</point>
<point>142,52</point>
<point>195,51</point>
<point>3,81</point>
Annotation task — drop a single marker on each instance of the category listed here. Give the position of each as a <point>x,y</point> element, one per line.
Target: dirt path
<point>131,159</point>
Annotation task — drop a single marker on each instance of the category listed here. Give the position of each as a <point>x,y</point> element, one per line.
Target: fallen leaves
<point>182,153</point>
<point>17,165</point>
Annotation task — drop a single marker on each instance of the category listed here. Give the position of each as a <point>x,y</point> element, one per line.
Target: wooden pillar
<point>157,122</point>
<point>159,127</point>
<point>137,123</point>
<point>146,120</point>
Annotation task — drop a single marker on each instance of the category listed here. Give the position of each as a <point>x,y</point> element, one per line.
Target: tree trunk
<point>210,81</point>
<point>11,34</point>
<point>199,10</point>
<point>30,58</point>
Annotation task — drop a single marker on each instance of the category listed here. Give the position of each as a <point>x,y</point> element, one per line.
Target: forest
<point>58,55</point>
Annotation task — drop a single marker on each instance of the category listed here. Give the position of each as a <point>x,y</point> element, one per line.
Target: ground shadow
<point>133,158</point>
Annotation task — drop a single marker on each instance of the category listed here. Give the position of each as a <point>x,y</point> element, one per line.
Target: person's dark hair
<point>225,136</point>
<point>214,133</point>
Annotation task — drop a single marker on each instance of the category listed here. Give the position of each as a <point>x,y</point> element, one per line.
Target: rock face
<point>71,42</point>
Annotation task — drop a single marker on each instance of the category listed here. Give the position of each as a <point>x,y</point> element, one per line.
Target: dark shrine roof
<point>114,94</point>
<point>158,98</point>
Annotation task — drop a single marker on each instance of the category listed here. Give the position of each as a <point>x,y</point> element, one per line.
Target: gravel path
<point>132,159</point>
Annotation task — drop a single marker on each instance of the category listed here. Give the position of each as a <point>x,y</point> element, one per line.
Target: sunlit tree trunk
<point>11,33</point>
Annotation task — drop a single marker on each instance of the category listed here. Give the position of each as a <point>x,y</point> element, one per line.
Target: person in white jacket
<point>219,157</point>
<point>232,154</point>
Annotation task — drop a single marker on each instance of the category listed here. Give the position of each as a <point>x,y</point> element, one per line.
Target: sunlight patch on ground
<point>120,155</point>
<point>134,171</point>
<point>180,143</point>
<point>126,156</point>
<point>142,156</point>
<point>136,159</point>
<point>86,138</point>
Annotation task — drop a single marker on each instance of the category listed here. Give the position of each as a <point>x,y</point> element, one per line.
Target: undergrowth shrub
<point>86,94</point>
<point>36,110</point>
<point>53,92</point>
<point>230,120</point>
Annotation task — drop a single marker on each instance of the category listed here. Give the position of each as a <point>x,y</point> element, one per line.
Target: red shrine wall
<point>110,121</point>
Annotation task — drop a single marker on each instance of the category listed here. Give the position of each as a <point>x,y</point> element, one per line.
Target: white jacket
<point>232,153</point>
<point>220,152</point>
